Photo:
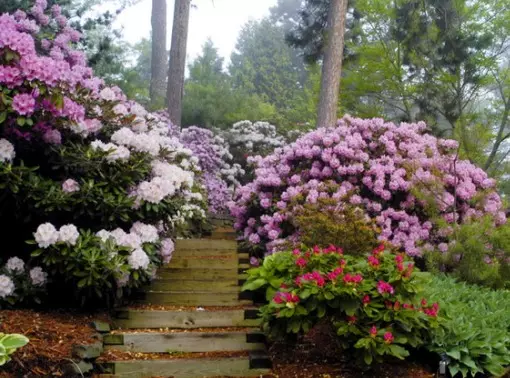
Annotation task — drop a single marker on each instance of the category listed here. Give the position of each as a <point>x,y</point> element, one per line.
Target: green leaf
<point>367,357</point>
<point>14,341</point>
<point>254,285</point>
<point>3,117</point>
<point>454,354</point>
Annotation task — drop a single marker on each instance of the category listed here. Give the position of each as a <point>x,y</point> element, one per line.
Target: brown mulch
<point>52,335</point>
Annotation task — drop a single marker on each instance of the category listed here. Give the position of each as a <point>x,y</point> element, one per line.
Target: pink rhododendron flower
<point>388,338</point>
<point>384,287</point>
<point>23,104</point>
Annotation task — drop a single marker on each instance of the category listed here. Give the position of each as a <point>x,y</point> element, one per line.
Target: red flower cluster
<point>301,262</point>
<point>366,300</point>
<point>282,297</point>
<point>314,276</point>
<point>373,331</point>
<point>379,250</point>
<point>354,279</point>
<point>373,261</point>
<point>384,287</point>
<point>332,276</point>
<point>388,338</point>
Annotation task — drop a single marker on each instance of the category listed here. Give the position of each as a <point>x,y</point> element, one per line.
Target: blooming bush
<point>77,158</point>
<point>247,140</point>
<point>9,344</point>
<point>474,333</point>
<point>19,284</point>
<point>373,301</point>
<point>396,174</point>
<point>219,176</point>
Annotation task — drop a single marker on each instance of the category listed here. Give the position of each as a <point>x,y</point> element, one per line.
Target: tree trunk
<point>175,87</point>
<point>332,64</point>
<point>159,68</point>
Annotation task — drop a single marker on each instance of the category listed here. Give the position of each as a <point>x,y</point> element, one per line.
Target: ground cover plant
<point>474,333</point>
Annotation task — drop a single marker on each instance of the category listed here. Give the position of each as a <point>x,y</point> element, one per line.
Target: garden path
<point>193,320</point>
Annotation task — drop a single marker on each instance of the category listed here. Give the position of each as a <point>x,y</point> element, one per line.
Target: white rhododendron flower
<point>46,235</point>
<point>139,259</point>
<point>6,286</point>
<point>68,234</point>
<point>70,186</point>
<point>146,232</point>
<point>104,235</point>
<point>15,265</point>
<point>38,276</point>
<point>7,152</point>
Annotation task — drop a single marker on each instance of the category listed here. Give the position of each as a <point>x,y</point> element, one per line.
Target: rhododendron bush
<point>97,183</point>
<point>220,175</point>
<point>399,175</point>
<point>247,140</point>
<point>373,301</point>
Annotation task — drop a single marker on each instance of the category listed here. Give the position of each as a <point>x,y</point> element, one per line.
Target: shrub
<point>327,223</point>
<point>390,171</point>
<point>219,177</point>
<point>374,302</point>
<point>474,333</point>
<point>9,344</point>
<point>247,139</point>
<point>76,156</point>
<point>19,284</point>
<point>477,253</point>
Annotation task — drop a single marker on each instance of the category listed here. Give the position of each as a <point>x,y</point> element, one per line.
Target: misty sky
<point>219,19</point>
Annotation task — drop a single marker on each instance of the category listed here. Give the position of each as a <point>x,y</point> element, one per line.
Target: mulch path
<point>52,335</point>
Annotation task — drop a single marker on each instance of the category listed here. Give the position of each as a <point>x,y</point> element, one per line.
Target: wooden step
<point>203,273</point>
<point>195,298</point>
<point>198,263</point>
<point>183,341</point>
<point>201,285</point>
<point>223,235</point>
<point>205,244</point>
<point>134,318</point>
<point>186,368</point>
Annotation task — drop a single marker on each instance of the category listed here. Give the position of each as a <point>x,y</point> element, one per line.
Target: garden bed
<point>52,335</point>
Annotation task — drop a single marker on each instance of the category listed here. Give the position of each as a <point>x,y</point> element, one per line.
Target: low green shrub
<point>9,344</point>
<point>374,301</point>
<point>324,223</point>
<point>475,329</point>
<point>477,253</point>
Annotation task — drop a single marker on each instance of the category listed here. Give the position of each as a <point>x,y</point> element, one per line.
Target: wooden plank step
<point>197,263</point>
<point>186,298</point>
<point>184,252</point>
<point>201,285</point>
<point>205,244</point>
<point>182,342</point>
<point>202,273</point>
<point>187,319</point>
<point>187,368</point>
<point>222,235</point>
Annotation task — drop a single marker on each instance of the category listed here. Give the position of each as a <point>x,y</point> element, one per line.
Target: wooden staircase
<point>192,321</point>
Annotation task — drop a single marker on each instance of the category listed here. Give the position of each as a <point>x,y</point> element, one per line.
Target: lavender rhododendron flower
<point>375,165</point>
<point>6,286</point>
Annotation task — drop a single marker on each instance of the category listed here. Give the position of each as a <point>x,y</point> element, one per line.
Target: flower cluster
<point>219,177</point>
<point>19,283</point>
<point>391,172</point>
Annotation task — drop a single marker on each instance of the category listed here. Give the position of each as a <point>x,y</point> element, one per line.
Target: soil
<point>52,335</point>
